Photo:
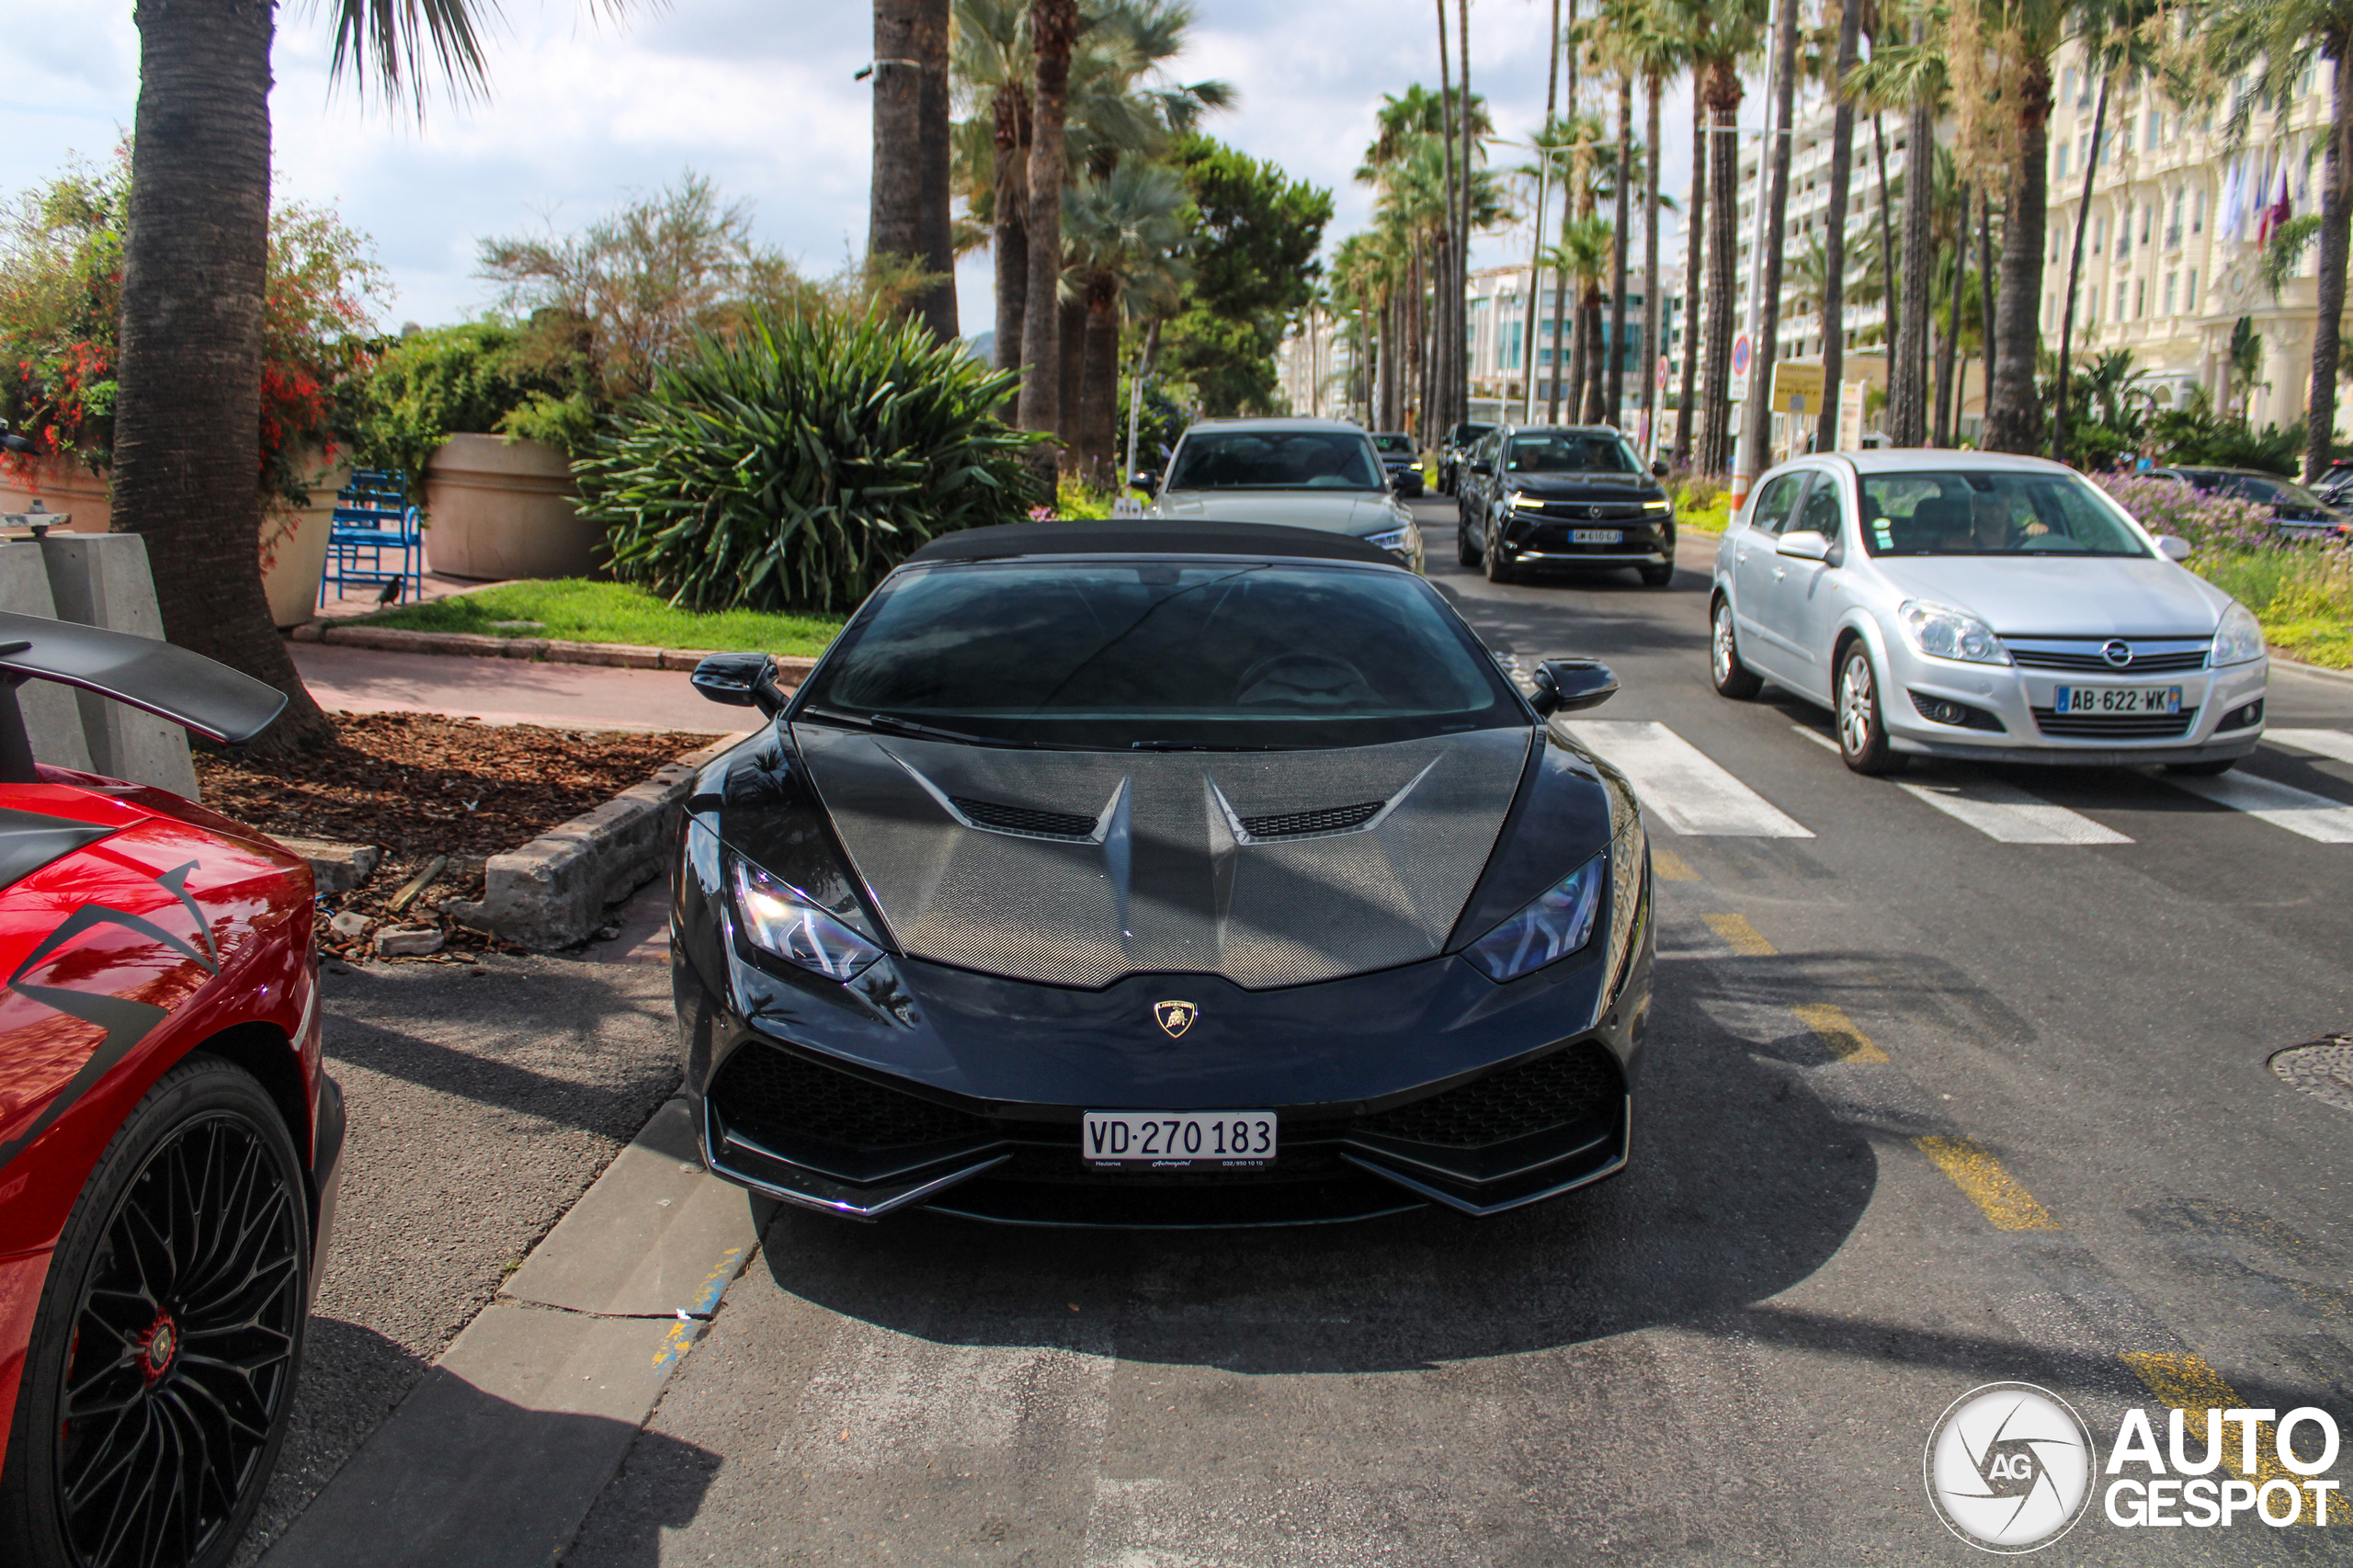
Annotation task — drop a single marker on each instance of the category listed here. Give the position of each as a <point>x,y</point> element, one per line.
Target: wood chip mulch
<point>419,786</point>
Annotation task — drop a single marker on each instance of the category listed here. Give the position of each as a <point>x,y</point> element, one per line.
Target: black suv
<point>1400,461</point>
<point>1565,496</point>
<point>1452,451</point>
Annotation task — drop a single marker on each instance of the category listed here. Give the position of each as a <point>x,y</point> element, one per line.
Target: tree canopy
<point>1254,264</point>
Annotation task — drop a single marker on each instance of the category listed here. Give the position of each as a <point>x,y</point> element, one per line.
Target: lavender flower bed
<point>2207,522</point>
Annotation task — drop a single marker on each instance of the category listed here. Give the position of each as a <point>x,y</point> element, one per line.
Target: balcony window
<point>2171,278</point>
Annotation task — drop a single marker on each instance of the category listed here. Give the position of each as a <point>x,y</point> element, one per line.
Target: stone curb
<point>552,893</point>
<point>790,668</point>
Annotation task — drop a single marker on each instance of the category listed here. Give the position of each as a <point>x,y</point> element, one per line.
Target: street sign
<point>1662,372</point>
<point>1797,388</point>
<point>1740,354</point>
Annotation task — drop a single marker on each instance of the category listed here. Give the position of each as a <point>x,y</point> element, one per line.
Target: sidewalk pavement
<point>505,691</point>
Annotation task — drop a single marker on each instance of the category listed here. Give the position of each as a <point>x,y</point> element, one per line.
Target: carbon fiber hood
<point>1270,869</point>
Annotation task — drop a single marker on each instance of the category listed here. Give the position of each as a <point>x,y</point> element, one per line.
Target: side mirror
<point>2173,547</point>
<point>1805,544</point>
<point>1483,468</point>
<point>740,680</point>
<point>1145,481</point>
<point>1658,470</point>
<point>1564,686</point>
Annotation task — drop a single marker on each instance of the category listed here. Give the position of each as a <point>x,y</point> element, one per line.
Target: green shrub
<point>482,378</point>
<point>791,464</point>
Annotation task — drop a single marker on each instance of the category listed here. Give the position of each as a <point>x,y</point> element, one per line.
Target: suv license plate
<point>2117,700</point>
<point>1162,1141</point>
<point>1596,536</point>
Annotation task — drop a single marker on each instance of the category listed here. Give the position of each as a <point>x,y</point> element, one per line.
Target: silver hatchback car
<point>1970,604</point>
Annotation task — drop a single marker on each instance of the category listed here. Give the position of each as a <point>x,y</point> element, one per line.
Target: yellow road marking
<point>1739,936</point>
<point>1838,1034</point>
<point>1981,1177</point>
<point>2187,1383</point>
<point>1668,867</point>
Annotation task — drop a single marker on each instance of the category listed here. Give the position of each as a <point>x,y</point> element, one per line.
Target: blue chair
<point>373,520</point>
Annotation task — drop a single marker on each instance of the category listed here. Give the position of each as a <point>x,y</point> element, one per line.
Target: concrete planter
<point>63,484</point>
<point>294,546</point>
<point>497,509</point>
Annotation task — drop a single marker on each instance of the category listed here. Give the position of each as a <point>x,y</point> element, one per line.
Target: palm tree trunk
<point>1009,235</point>
<point>1614,393</point>
<point>1986,293</point>
<point>1071,334</point>
<point>1723,92</point>
<point>1694,231</point>
<point>1907,404</point>
<point>1054,26</point>
<point>1833,244</point>
<point>1458,341</point>
<point>1887,301</point>
<point>2013,406</point>
<point>1652,346</point>
<point>1442,268</point>
<point>1564,337</point>
<point>1597,360</point>
<point>935,141</point>
<point>187,409</point>
<point>2074,276</point>
<point>1543,185</point>
<point>2320,405</point>
<point>1098,393</point>
<point>908,200</point>
<point>1765,331</point>
<point>1940,429</point>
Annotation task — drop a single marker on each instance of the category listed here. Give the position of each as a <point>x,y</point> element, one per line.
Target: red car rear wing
<point>190,689</point>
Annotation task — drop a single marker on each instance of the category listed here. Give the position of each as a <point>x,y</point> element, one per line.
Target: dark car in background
<point>2299,513</point>
<point>1160,873</point>
<point>1453,450</point>
<point>1400,461</point>
<point>1565,495</point>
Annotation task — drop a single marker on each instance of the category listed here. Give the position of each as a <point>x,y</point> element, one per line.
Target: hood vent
<point>1028,822</point>
<point>1311,825</point>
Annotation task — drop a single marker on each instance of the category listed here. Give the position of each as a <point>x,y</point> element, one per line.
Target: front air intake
<point>1309,825</point>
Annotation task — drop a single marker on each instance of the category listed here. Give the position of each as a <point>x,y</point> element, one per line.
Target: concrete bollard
<point>53,712</point>
<point>104,580</point>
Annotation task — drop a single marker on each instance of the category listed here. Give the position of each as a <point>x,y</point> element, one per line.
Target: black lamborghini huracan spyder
<point>1134,875</point>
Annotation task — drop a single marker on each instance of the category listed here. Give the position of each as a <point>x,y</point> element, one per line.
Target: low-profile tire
<point>1499,568</point>
<point>171,1368</point>
<point>1466,544</point>
<point>1657,576</point>
<point>1862,727</point>
<point>2209,768</point>
<point>1733,678</point>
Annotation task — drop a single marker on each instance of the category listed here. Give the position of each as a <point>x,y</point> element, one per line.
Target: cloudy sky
<point>758,95</point>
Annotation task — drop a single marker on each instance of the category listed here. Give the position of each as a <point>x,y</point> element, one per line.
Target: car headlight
<point>1516,501</point>
<point>2239,637</point>
<point>1942,632</point>
<point>1559,921</point>
<point>1658,506</point>
<point>777,918</point>
<point>1393,540</point>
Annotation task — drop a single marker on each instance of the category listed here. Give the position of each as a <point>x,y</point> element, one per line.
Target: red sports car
<point>169,1140</point>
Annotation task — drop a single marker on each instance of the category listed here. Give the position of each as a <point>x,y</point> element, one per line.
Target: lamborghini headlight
<point>777,918</point>
<point>2239,639</point>
<point>1560,919</point>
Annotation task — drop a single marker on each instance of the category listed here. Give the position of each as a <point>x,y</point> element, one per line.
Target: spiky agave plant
<point>792,462</point>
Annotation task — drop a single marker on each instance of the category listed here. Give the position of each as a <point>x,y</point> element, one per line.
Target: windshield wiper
<point>897,726</point>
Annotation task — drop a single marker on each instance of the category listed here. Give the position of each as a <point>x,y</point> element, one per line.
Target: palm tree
<point>2280,39</point>
<point>1653,49</point>
<point>2024,35</point>
<point>1911,76</point>
<point>1727,33</point>
<point>1126,233</point>
<point>993,54</point>
<point>1834,261</point>
<point>187,441</point>
<point>908,194</point>
<point>1765,331</point>
<point>1584,256</point>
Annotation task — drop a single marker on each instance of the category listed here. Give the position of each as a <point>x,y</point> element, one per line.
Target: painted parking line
<point>1988,1184</point>
<point>2184,1380</point>
<point>2283,805</point>
<point>1741,938</point>
<point>1669,866</point>
<point>2336,744</point>
<point>1680,785</point>
<point>1838,1034</point>
<point>2006,813</point>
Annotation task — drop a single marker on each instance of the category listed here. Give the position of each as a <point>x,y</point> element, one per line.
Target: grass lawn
<point>2303,596</point>
<point>580,611</point>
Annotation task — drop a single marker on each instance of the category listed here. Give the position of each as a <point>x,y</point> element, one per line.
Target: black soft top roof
<point>1150,537</point>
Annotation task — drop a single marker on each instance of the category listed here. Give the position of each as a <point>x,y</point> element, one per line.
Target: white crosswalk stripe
<point>2336,744</point>
<point>2283,805</point>
<point>2008,814</point>
<point>1679,786</point>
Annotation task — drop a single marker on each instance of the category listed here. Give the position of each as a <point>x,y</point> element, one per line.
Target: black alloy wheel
<point>1466,542</point>
<point>1499,567</point>
<point>1862,731</point>
<point>165,1348</point>
<point>1733,678</point>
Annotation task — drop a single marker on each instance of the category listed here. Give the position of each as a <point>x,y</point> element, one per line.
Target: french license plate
<point>2117,700</point>
<point>1178,1140</point>
<point>1596,536</point>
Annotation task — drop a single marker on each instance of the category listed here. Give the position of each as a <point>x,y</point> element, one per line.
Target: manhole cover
<point>2323,1069</point>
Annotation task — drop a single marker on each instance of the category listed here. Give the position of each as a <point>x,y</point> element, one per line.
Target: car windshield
<point>1934,512</point>
<point>1275,459</point>
<point>1552,452</point>
<point>1467,433</point>
<point>1245,654</point>
<point>1403,444</point>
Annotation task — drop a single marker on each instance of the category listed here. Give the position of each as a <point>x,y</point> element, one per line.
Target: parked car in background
<point>1975,605</point>
<point>170,1142</point>
<point>2299,513</point>
<point>1450,452</point>
<point>1401,459</point>
<point>1565,496</point>
<point>1308,473</point>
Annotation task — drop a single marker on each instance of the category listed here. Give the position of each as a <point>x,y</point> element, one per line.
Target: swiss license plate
<point>2117,700</point>
<point>1596,536</point>
<point>1189,1139</point>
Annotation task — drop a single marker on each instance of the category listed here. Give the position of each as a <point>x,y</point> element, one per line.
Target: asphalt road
<point>1927,1109</point>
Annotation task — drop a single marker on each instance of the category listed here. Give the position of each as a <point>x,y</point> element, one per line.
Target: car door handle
<point>1740,557</point>
<point>1779,573</point>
